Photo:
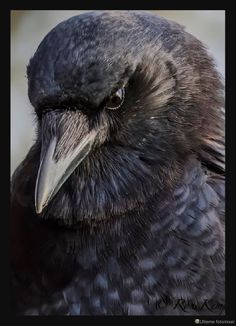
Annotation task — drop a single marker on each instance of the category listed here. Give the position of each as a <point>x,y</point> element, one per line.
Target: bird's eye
<point>115,100</point>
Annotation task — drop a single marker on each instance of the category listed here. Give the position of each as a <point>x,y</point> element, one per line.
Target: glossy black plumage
<point>139,224</point>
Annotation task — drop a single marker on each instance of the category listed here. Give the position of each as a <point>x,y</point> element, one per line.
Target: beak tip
<point>38,203</point>
<point>38,208</point>
<point>38,211</point>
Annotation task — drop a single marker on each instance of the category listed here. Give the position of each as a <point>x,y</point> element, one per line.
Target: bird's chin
<point>70,222</point>
<point>99,191</point>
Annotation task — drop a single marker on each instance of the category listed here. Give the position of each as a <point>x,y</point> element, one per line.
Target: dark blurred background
<point>28,27</point>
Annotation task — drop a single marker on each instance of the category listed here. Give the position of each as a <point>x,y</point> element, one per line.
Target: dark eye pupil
<point>115,101</point>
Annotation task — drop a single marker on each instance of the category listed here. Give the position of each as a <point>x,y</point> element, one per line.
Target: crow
<point>118,207</point>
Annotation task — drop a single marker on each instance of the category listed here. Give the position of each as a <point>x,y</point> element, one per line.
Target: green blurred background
<point>28,27</point>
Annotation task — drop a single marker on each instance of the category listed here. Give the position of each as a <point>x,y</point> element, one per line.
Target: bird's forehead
<point>87,56</point>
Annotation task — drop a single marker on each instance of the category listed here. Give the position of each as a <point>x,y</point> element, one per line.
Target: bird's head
<point>121,99</point>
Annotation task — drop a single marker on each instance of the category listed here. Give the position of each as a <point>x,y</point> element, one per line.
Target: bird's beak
<point>53,173</point>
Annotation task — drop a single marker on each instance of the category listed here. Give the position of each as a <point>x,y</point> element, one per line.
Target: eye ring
<point>115,100</point>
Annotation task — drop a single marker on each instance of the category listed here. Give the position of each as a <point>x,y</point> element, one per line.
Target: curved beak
<point>53,173</point>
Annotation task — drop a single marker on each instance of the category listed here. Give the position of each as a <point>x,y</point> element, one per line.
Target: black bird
<point>118,208</point>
